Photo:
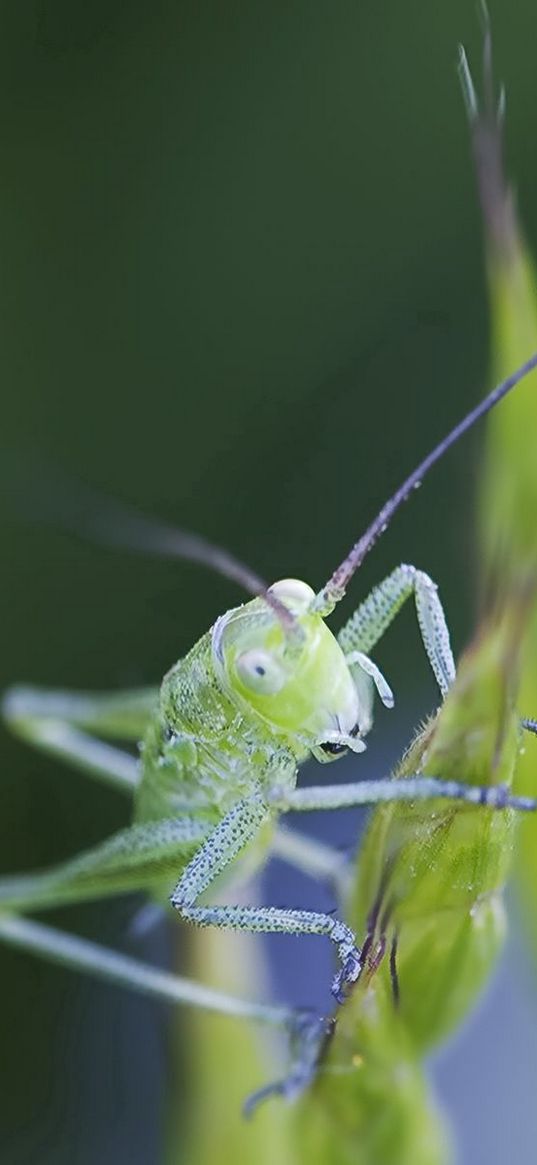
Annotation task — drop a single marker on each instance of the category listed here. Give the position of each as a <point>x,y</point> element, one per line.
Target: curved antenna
<point>104,520</point>
<point>119,524</point>
<point>122,525</point>
<point>336,586</point>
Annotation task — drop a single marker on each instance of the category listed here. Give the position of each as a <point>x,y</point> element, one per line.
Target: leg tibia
<point>223,845</point>
<point>142,857</point>
<point>271,920</point>
<point>374,615</point>
<point>418,788</point>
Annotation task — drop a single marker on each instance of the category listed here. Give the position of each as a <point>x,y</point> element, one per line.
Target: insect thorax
<point>201,753</point>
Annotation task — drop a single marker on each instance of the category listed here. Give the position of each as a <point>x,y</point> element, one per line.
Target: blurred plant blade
<point>220,1062</point>
<point>508,499</point>
<point>428,899</point>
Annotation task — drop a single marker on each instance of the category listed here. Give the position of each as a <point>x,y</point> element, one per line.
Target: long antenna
<point>94,515</point>
<point>118,524</point>
<point>336,586</point>
<point>122,525</point>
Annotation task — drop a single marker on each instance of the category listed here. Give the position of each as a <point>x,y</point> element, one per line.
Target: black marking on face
<point>332,748</point>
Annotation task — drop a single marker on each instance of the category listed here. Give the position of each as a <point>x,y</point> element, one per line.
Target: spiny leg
<point>223,845</point>
<point>412,788</point>
<point>309,1042</point>
<point>374,615</point>
<point>141,857</point>
<point>61,723</point>
<point>306,1031</point>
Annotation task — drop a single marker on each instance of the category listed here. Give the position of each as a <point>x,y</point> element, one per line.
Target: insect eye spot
<point>259,672</point>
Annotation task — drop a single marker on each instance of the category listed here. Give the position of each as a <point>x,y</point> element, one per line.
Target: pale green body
<point>221,747</point>
<point>200,754</point>
<point>211,744</point>
<point>203,768</point>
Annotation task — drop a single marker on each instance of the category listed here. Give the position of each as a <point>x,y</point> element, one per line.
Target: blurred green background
<point>242,287</point>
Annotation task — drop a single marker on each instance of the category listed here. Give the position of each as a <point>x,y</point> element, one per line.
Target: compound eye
<point>259,671</point>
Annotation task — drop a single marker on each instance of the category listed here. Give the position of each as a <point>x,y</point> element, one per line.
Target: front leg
<point>222,847</point>
<point>374,615</point>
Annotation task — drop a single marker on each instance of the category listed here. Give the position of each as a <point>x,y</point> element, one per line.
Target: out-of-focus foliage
<point>431,878</point>
<point>242,288</point>
<point>508,496</point>
<point>225,1061</point>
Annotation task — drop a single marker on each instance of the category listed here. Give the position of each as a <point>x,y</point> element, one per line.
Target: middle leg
<point>222,847</point>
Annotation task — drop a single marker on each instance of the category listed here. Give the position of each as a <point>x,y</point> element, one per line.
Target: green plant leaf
<point>508,495</point>
<point>429,876</point>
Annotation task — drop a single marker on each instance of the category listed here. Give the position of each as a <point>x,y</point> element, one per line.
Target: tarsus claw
<point>346,976</point>
<point>309,1035</point>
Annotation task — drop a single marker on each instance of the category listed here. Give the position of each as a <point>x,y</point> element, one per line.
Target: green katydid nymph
<point>267,687</point>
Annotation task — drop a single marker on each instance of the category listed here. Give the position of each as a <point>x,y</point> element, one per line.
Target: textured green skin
<point>206,747</point>
<point>215,757</point>
<point>205,767</point>
<point>218,765</point>
<point>212,743</point>
<point>221,749</point>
